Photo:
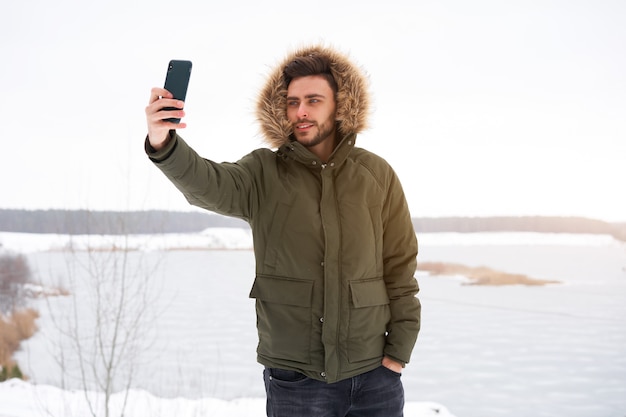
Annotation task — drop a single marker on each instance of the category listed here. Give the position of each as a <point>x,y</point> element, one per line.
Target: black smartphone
<point>177,81</point>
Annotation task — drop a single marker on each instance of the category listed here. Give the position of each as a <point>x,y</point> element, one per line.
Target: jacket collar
<point>296,151</point>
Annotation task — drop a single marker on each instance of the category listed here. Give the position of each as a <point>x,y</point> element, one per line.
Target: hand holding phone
<point>173,94</point>
<point>177,82</point>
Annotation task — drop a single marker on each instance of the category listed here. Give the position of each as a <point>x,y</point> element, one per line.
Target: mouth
<point>304,126</point>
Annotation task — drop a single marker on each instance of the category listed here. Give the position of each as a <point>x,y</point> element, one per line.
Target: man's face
<point>311,110</point>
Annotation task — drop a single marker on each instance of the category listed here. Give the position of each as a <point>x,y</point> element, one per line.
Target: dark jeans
<point>378,393</point>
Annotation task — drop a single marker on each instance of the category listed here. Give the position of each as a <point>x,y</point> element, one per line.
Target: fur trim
<point>353,100</point>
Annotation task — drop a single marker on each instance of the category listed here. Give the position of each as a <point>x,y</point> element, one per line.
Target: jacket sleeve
<point>399,257</point>
<point>225,188</point>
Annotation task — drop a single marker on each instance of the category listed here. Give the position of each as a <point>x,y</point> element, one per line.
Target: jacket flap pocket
<point>282,291</point>
<point>369,293</point>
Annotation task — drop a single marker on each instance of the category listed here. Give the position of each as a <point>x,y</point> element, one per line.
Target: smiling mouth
<point>303,124</point>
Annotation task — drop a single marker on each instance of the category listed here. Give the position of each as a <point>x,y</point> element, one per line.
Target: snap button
<point>323,374</point>
<point>321,319</point>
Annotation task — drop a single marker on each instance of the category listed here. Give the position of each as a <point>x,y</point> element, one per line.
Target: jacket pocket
<point>369,317</point>
<point>283,308</point>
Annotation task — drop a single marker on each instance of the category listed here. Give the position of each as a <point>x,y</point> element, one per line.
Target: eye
<point>292,103</point>
<point>314,100</point>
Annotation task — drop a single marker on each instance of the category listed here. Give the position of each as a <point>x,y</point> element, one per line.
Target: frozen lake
<point>557,350</point>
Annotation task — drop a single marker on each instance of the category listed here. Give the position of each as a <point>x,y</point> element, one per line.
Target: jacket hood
<point>353,100</point>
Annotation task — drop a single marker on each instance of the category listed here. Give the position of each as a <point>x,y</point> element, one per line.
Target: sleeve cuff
<point>164,153</point>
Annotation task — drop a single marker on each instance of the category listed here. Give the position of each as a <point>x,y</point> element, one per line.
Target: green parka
<point>334,243</point>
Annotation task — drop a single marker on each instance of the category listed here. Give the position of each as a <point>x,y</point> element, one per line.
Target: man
<point>335,249</point>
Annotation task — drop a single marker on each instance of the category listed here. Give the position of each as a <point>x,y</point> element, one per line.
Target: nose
<point>303,112</point>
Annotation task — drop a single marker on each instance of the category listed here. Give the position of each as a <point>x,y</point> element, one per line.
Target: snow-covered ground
<point>239,238</point>
<point>22,399</point>
<point>222,238</point>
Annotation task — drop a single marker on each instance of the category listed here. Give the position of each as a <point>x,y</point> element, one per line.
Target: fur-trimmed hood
<point>353,100</point>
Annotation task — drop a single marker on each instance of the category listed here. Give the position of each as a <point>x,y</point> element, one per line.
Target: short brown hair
<point>312,64</point>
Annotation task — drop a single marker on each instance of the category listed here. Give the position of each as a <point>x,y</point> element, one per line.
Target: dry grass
<point>19,326</point>
<point>480,275</point>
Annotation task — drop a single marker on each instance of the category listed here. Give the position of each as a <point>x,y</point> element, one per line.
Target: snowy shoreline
<point>241,239</point>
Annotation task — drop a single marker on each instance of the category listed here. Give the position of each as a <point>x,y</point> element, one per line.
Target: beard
<point>324,131</point>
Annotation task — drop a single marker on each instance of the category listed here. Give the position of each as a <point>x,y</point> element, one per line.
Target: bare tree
<point>106,324</point>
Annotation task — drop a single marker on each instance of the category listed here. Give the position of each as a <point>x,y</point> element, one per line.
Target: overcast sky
<point>482,107</point>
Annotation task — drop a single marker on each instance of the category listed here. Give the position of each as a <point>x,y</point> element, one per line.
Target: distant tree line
<point>157,221</point>
<point>520,224</point>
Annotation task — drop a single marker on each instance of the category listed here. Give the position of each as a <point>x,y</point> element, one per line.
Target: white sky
<point>486,107</point>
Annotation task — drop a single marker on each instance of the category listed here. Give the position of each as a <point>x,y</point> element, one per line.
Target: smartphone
<point>177,81</point>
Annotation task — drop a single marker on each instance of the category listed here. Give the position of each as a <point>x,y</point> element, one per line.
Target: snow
<point>213,238</point>
<point>22,399</point>
<point>240,238</point>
